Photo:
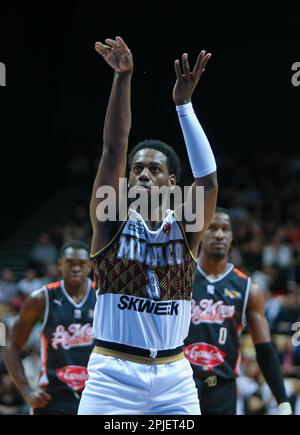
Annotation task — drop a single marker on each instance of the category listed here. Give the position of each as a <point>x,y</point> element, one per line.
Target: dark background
<point>57,86</point>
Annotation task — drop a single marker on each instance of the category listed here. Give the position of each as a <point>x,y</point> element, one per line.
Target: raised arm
<point>32,311</point>
<point>200,154</point>
<point>267,357</point>
<point>117,126</point>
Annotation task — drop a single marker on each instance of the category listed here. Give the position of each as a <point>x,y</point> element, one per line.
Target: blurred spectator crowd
<point>264,203</point>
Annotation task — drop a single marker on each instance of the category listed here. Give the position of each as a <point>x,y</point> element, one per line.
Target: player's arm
<point>200,154</point>
<point>32,311</point>
<point>266,354</point>
<point>117,126</point>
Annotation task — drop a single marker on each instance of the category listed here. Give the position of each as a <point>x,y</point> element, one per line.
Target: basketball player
<point>144,270</point>
<point>224,299</point>
<point>65,309</point>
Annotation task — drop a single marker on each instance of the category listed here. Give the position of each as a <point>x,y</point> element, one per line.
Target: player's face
<point>75,266</point>
<point>218,237</point>
<point>149,168</point>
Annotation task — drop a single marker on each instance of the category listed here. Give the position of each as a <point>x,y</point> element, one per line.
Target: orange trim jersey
<point>144,284</point>
<point>67,339</point>
<point>218,317</point>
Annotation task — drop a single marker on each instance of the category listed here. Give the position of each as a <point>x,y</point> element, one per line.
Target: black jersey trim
<point>138,351</point>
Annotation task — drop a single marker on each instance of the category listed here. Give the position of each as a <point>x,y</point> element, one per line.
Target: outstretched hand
<point>186,79</point>
<point>116,53</point>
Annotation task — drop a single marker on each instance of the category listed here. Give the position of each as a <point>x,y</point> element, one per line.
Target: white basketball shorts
<point>120,387</point>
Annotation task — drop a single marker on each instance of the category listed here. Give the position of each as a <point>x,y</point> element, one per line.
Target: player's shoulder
<point>240,273</point>
<point>53,285</point>
<point>35,301</point>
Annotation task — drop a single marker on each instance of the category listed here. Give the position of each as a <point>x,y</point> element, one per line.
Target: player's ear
<point>172,180</point>
<point>199,250</point>
<point>59,264</point>
<point>89,266</point>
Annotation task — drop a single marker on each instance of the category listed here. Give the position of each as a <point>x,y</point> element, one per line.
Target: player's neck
<point>158,212</point>
<point>154,225</point>
<point>213,266</point>
<point>76,291</point>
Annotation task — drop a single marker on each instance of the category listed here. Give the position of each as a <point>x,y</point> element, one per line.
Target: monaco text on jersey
<point>140,251</point>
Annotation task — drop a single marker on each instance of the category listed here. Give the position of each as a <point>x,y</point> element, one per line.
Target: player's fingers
<point>178,71</point>
<point>198,66</point>
<point>121,42</point>
<point>123,46</point>
<point>112,43</point>
<point>46,396</point>
<point>102,48</point>
<point>40,402</point>
<point>185,64</point>
<point>205,60</point>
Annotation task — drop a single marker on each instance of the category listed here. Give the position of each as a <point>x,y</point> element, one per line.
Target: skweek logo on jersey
<point>209,311</point>
<point>204,354</point>
<point>132,303</point>
<point>75,335</point>
<point>232,294</point>
<point>74,376</point>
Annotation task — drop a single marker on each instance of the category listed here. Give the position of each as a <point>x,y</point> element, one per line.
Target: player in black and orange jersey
<point>224,300</point>
<point>66,310</point>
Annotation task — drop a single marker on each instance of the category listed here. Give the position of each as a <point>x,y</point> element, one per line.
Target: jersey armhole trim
<point>110,242</point>
<point>186,240</point>
<point>47,304</point>
<point>244,317</point>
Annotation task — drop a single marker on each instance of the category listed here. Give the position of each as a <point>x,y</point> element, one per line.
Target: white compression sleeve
<point>200,154</point>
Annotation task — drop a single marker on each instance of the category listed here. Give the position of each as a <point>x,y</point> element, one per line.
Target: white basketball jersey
<point>144,284</point>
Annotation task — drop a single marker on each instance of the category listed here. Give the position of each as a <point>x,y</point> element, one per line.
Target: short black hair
<point>223,210</point>
<point>233,222</point>
<point>75,244</point>
<point>229,214</point>
<point>173,161</point>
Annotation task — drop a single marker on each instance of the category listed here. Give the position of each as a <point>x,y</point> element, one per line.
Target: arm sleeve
<point>269,364</point>
<point>200,154</point>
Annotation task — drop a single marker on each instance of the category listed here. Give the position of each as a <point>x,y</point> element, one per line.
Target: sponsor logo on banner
<point>204,354</point>
<point>209,311</point>
<point>74,376</point>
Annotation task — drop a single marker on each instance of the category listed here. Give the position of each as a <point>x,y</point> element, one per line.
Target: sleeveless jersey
<point>67,339</point>
<point>218,317</point>
<point>144,280</point>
